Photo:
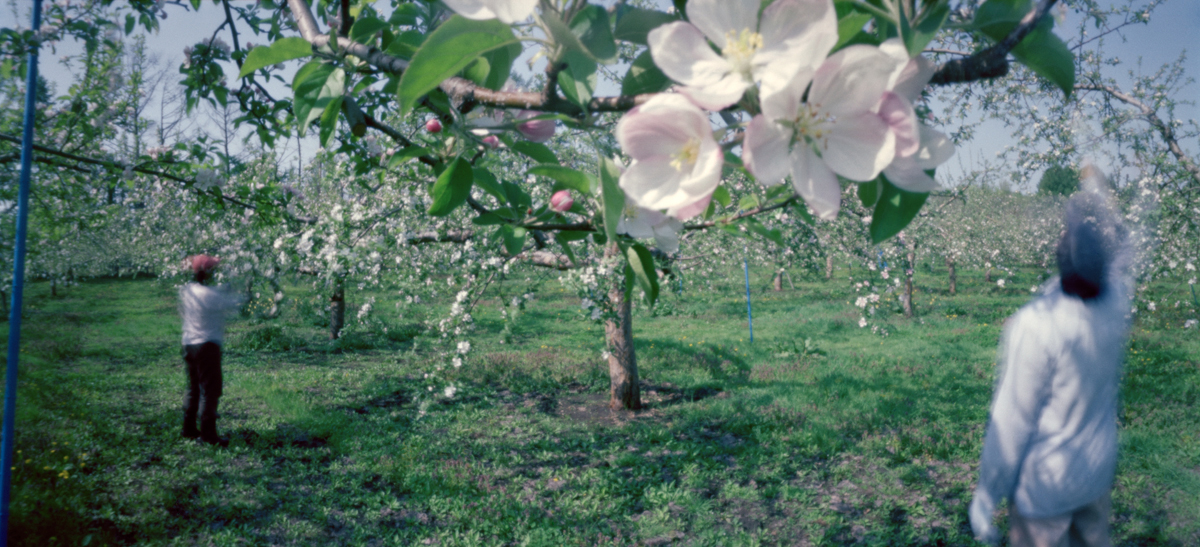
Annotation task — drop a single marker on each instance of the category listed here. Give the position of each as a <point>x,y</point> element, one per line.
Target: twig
<point>1164,129</point>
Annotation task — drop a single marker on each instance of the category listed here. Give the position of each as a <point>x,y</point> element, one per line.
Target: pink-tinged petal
<point>852,80</point>
<point>765,150</point>
<point>813,180</point>
<point>690,210</point>
<point>936,148</point>
<point>536,130</point>
<point>561,201</point>
<point>715,18</point>
<point>911,75</point>
<point>653,134</point>
<point>905,174</point>
<point>472,9</point>
<point>511,11</point>
<point>680,50</point>
<point>654,184</point>
<point>797,34</point>
<point>898,114</point>
<point>859,147</point>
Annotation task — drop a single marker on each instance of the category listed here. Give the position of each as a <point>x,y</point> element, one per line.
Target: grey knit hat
<point>1091,234</point>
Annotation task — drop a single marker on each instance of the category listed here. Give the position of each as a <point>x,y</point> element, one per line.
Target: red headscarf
<point>204,263</point>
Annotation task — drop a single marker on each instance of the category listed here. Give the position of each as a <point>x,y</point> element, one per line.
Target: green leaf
<point>634,24</point>
<point>329,118</point>
<point>644,76</point>
<point>354,117</point>
<point>566,246</point>
<point>680,6</point>
<point>448,50</point>
<point>315,85</point>
<point>774,235</point>
<point>567,178</point>
<point>644,273</point>
<point>405,44</point>
<point>405,15</point>
<point>534,150</point>
<point>594,30</point>
<point>614,198</point>
<point>748,202</point>
<point>404,154</point>
<point>802,212</point>
<point>721,195</point>
<point>517,197</point>
<point>365,28</point>
<point>130,22</point>
<point>850,27</point>
<point>578,79</point>
<point>284,49</point>
<point>896,208</point>
<point>501,60</point>
<point>1041,50</point>
<point>868,192</point>
<point>573,235</point>
<point>477,71</point>
<point>916,34</point>
<point>452,188</point>
<point>514,238</point>
<point>488,219</point>
<point>486,181</point>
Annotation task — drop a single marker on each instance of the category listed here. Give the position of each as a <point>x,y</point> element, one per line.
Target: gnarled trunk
<point>953,276</point>
<point>828,267</point>
<point>908,284</point>
<point>777,283</point>
<point>337,308</point>
<point>622,361</point>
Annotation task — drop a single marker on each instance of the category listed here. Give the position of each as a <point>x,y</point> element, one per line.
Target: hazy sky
<point>1172,30</point>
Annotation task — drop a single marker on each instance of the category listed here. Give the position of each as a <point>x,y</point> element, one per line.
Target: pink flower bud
<point>561,201</point>
<point>433,125</point>
<point>492,141</point>
<point>536,130</point>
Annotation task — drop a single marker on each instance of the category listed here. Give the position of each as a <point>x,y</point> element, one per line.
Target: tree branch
<point>1164,129</point>
<point>993,61</point>
<point>460,89</point>
<point>739,216</point>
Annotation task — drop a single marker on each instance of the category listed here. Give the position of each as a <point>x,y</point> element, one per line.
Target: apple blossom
<point>792,35</point>
<point>837,131</point>
<point>507,11</point>
<point>561,201</point>
<point>676,162</point>
<point>535,130</point>
<point>639,222</point>
<point>491,141</point>
<point>918,147</point>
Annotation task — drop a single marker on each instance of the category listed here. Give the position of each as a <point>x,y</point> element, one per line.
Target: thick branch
<point>459,88</point>
<point>1164,129</point>
<point>993,61</point>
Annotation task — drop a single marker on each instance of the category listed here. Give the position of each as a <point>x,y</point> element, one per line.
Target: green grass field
<point>852,438</point>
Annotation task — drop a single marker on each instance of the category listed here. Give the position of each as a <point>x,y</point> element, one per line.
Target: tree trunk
<point>337,308</point>
<point>778,282</point>
<point>622,361</point>
<point>987,275</point>
<point>908,285</point>
<point>53,286</point>
<point>828,267</point>
<point>953,276</point>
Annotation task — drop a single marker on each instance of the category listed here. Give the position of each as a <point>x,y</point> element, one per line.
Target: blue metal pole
<point>18,289</point>
<point>749,313</point>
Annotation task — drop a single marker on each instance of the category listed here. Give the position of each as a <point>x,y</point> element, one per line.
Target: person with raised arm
<point>204,309</point>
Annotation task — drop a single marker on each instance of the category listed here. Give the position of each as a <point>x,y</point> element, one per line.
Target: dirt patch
<point>592,408</point>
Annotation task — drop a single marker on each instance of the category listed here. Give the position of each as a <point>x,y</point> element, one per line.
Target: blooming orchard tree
<point>816,90</point>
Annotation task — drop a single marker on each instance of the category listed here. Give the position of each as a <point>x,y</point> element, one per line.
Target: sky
<point>1171,32</point>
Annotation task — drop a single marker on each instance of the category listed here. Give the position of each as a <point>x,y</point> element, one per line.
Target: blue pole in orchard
<point>749,314</point>
<point>18,289</point>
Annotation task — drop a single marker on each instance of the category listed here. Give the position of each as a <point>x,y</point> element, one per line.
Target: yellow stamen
<point>686,157</point>
<point>740,49</point>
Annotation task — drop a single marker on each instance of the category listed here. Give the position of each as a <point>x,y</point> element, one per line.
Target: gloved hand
<point>981,511</point>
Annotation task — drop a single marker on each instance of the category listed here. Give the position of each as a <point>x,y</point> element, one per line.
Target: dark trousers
<point>204,389</point>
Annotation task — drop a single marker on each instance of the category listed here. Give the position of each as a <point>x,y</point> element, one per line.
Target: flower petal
<point>666,235</point>
<point>859,146</point>
<point>797,34</point>
<point>715,18</point>
<point>765,150</point>
<point>690,210</point>
<point>680,50</point>
<point>905,174</point>
<point>511,11</point>
<point>935,149</point>
<point>852,80</point>
<point>472,9</point>
<point>813,180</point>
<point>911,77</point>
<point>784,104</point>
<point>898,114</point>
<point>654,184</point>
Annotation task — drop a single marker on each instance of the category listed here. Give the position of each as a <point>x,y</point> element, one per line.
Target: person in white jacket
<point>1051,442</point>
<point>203,309</point>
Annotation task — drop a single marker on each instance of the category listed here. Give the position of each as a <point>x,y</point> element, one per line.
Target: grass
<point>848,438</point>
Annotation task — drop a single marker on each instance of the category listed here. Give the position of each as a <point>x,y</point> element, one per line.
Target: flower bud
<point>561,201</point>
<point>433,125</point>
<point>535,130</point>
<point>492,141</point>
